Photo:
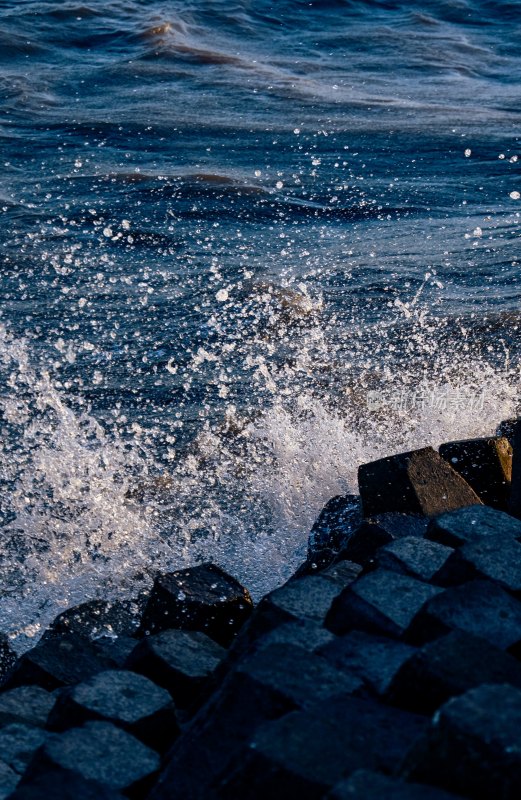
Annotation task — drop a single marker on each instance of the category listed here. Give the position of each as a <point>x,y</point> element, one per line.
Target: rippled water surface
<point>244,247</point>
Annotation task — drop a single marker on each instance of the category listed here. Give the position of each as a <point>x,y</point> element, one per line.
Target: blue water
<point>222,225</point>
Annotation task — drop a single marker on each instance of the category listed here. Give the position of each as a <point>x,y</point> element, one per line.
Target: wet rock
<point>57,662</point>
<point>474,745</point>
<point>374,659</point>
<point>366,785</point>
<point>114,649</point>
<point>202,598</point>
<point>18,743</point>
<point>98,618</point>
<point>62,785</point>
<point>417,482</point>
<point>480,608</point>
<point>306,634</point>
<point>26,704</point>
<point>380,602</point>
<point>486,465</point>
<point>100,752</point>
<point>494,558</point>
<point>124,698</point>
<point>378,531</point>
<point>514,504</point>
<point>419,558</point>
<point>7,657</point>
<point>305,753</point>
<point>8,780</point>
<point>183,662</point>
<point>470,524</point>
<point>448,667</point>
<point>330,533</point>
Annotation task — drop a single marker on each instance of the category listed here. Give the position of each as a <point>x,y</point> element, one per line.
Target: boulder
<point>474,745</point>
<point>381,602</point>
<point>486,465</point>
<point>202,598</point>
<point>375,532</point>
<point>448,667</point>
<point>26,704</point>
<point>128,700</point>
<point>419,558</point>
<point>493,557</point>
<point>98,618</point>
<point>366,785</point>
<point>514,504</point>
<point>330,533</point>
<point>417,482</point>
<point>469,524</point>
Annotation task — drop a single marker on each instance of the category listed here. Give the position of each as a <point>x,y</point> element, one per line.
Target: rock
<point>57,662</point>
<point>419,558</point>
<point>101,752</point>
<point>366,785</point>
<point>480,608</point>
<point>417,482</point>
<point>375,532</point>
<point>114,650</point>
<point>7,657</point>
<point>181,661</point>
<point>469,524</point>
<point>374,659</point>
<point>26,704</point>
<point>8,781</point>
<point>514,504</point>
<point>447,667</point>
<point>380,602</point>
<point>202,598</point>
<point>303,633</point>
<point>507,428</point>
<point>486,465</point>
<point>493,557</point>
<point>305,753</point>
<point>330,533</point>
<point>63,785</point>
<point>18,742</point>
<point>474,745</point>
<point>128,700</point>
<point>98,618</point>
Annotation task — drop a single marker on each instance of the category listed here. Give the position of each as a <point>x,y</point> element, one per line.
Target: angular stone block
<point>26,704</point>
<point>18,743</point>
<point>514,504</point>
<point>330,533</point>
<point>183,662</point>
<point>470,524</point>
<point>448,667</point>
<point>202,598</point>
<point>100,752</point>
<point>374,659</point>
<point>305,753</point>
<point>62,785</point>
<point>419,558</point>
<point>98,618</point>
<point>493,557</point>
<point>380,602</point>
<point>486,465</point>
<point>7,657</point>
<point>474,745</point>
<point>375,532</point>
<point>417,482</point>
<point>124,698</point>
<point>366,785</point>
<point>480,607</point>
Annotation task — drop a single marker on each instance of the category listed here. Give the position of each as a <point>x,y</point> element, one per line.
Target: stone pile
<point>388,667</point>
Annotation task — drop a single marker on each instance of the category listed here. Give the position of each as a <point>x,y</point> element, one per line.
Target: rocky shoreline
<point>389,666</point>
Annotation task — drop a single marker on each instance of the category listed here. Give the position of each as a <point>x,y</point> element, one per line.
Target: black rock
<point>306,634</point>
<point>474,745</point>
<point>98,618</point>
<point>419,558</point>
<point>8,781</point>
<point>100,752</point>
<point>63,785</point>
<point>18,743</point>
<point>330,533</point>
<point>448,667</point>
<point>114,650</point>
<point>202,598</point>
<point>514,505</point>
<point>57,662</point>
<point>380,602</point>
<point>493,557</point>
<point>181,661</point>
<point>26,704</point>
<point>469,524</point>
<point>305,753</point>
<point>7,657</point>
<point>375,532</point>
<point>124,698</point>
<point>480,607</point>
<point>374,659</point>
<point>417,482</point>
<point>366,785</point>
<point>486,465</point>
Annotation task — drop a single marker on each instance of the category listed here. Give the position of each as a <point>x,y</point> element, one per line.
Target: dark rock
<point>18,743</point>
<point>7,657</point>
<point>419,558</point>
<point>124,698</point>
<point>181,661</point>
<point>480,607</point>
<point>417,482</point>
<point>98,618</point>
<point>303,633</point>
<point>378,531</point>
<point>474,745</point>
<point>114,649</point>
<point>493,557</point>
<point>305,753</point>
<point>202,598</point>
<point>343,572</point>
<point>26,704</point>
<point>366,785</point>
<point>8,781</point>
<point>337,520</point>
<point>374,659</point>
<point>514,505</point>
<point>447,667</point>
<point>486,465</point>
<point>381,602</point>
<point>57,662</point>
<point>63,785</point>
<point>101,752</point>
<point>469,524</point>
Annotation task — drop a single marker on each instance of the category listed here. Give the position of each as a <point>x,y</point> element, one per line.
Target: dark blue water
<point>225,230</point>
